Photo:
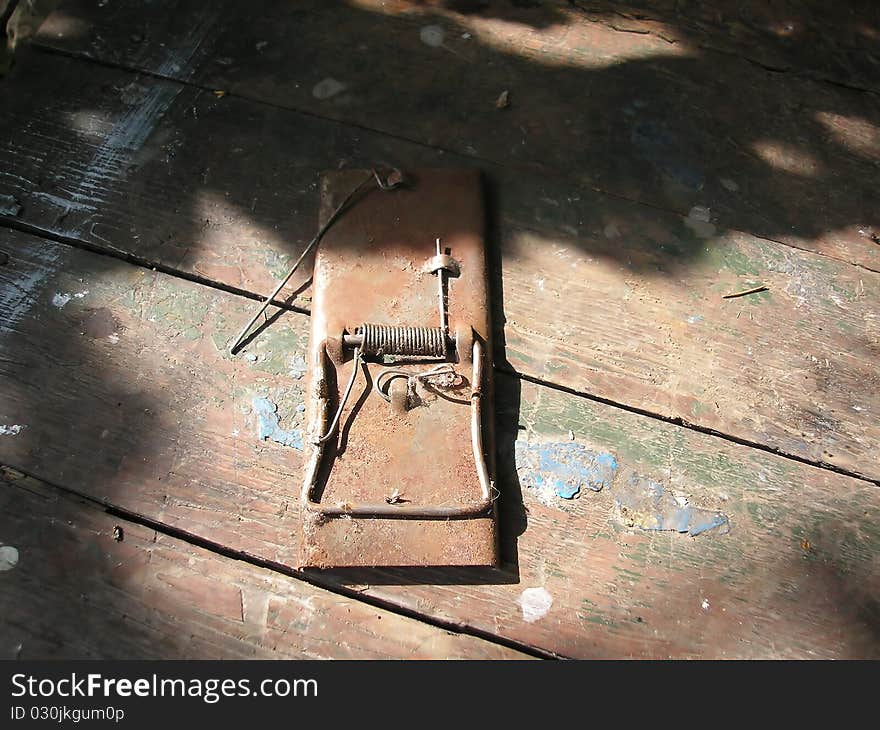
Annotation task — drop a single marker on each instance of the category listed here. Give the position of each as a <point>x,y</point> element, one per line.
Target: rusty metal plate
<point>411,484</point>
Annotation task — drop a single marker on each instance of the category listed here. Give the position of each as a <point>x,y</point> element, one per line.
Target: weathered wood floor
<point>158,169</point>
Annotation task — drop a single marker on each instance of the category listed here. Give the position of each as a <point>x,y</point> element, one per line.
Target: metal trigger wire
<point>356,365</point>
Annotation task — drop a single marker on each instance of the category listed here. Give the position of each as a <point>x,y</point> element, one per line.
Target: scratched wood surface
<point>167,425</point>
<point>597,294</point>
<point>832,41</point>
<point>87,585</point>
<point>656,111</point>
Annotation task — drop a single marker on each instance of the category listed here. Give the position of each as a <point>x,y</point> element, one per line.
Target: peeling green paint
<point>628,574</point>
<point>739,262</point>
<point>697,408</point>
<point>521,357</point>
<point>555,416</point>
<point>183,310</point>
<point>277,350</point>
<point>278,263</point>
<point>597,618</point>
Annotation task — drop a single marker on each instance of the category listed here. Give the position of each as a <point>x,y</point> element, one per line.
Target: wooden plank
<point>830,41</point>
<point>156,405</point>
<point>595,294</point>
<point>825,41</point>
<point>165,425</point>
<point>647,112</point>
<point>834,42</point>
<point>87,585</point>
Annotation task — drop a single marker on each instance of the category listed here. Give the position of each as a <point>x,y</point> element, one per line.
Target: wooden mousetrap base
<point>407,477</point>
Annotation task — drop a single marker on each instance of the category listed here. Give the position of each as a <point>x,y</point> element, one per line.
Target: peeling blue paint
<point>563,467</point>
<point>298,367</point>
<point>267,413</point>
<point>647,505</point>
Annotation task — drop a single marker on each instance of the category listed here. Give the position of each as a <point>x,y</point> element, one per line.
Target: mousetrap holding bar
<point>399,467</point>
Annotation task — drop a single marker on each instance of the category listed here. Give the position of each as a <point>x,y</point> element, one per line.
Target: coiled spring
<point>394,340</point>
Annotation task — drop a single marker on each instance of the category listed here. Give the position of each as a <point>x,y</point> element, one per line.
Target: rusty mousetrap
<point>399,459</point>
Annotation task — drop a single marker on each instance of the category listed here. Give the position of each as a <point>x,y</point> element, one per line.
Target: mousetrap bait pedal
<point>399,459</point>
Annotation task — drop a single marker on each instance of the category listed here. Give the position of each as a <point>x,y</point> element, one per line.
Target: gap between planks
<point>682,423</point>
<point>118,254</point>
<point>525,168</point>
<point>140,261</point>
<point>315,580</point>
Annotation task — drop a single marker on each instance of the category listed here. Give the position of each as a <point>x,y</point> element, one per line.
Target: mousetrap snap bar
<point>400,468</point>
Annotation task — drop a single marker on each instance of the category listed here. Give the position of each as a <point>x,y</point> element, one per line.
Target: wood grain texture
<point>126,394</point>
<point>648,111</point>
<point>596,294</point>
<point>88,585</point>
<point>156,400</point>
<point>834,42</point>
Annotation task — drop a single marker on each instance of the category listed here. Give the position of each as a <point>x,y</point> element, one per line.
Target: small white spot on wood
<point>8,557</point>
<point>327,88</point>
<point>432,35</point>
<point>698,220</point>
<point>12,430</point>
<point>705,604</point>
<point>611,231</point>
<point>700,213</point>
<point>535,603</point>
<point>62,298</point>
